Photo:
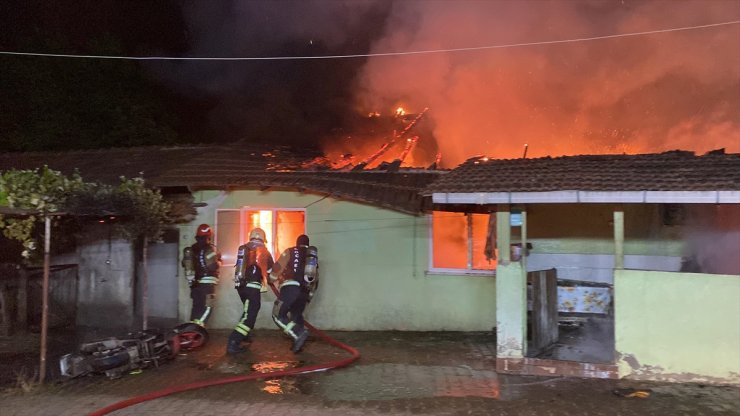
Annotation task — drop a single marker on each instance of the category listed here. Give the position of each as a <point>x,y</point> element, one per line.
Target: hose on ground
<point>355,354</point>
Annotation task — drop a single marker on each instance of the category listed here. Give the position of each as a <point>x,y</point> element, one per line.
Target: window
<point>459,242</point>
<point>282,227</point>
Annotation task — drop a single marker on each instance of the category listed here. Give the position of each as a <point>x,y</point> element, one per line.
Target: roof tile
<point>669,171</point>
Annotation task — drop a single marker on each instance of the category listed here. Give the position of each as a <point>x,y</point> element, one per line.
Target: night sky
<point>635,94</point>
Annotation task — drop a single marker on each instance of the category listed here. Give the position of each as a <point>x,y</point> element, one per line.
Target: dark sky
<point>625,95</point>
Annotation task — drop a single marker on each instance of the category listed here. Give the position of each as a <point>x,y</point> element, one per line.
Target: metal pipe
<point>45,299</point>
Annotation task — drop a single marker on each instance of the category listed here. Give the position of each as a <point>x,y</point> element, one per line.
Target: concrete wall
<point>373,270</point>
<point>678,326</point>
<point>598,268</point>
<point>578,240</point>
<point>106,281</point>
<point>162,287</point>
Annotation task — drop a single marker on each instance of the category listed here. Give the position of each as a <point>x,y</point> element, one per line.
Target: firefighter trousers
<point>289,317</point>
<point>252,301</point>
<point>203,296</point>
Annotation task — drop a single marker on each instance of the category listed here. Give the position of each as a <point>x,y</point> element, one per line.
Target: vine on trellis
<point>141,211</point>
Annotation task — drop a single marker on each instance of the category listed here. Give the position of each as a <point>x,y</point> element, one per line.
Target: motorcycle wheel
<point>191,336</point>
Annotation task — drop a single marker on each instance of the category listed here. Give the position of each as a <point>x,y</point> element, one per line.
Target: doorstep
<point>544,367</point>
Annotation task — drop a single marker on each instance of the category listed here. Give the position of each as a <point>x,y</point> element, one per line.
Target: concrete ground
<point>399,373</point>
<point>588,339</point>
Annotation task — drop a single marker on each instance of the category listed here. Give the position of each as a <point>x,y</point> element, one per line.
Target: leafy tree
<point>141,212</point>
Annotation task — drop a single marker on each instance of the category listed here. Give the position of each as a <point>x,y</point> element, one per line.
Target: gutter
<point>589,197</point>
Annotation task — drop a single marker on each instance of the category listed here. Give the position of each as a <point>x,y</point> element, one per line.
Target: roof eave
<point>586,197</point>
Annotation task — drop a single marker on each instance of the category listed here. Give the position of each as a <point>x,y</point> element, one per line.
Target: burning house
<point>395,241</point>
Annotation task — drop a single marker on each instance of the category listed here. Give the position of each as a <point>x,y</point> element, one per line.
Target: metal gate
<point>21,297</point>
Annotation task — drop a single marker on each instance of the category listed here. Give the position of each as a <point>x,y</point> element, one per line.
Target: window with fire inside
<point>461,244</point>
<point>281,226</point>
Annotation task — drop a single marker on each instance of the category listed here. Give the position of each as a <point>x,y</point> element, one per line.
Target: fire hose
<point>254,376</point>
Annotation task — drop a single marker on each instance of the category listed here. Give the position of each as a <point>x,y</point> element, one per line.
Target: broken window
<point>281,226</point>
<point>459,241</point>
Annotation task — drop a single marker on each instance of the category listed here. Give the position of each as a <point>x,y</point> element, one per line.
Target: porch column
<point>511,294</point>
<point>618,240</point>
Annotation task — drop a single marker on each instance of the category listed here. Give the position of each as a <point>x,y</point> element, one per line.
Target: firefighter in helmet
<point>201,262</point>
<point>253,263</point>
<point>295,272</point>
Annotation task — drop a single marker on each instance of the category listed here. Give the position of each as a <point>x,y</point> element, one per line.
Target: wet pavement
<point>399,373</point>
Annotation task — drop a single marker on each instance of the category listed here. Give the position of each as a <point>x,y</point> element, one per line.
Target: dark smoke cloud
<point>629,95</point>
<point>295,102</point>
<point>639,94</point>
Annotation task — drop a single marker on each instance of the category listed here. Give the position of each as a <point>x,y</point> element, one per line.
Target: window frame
<point>431,270</point>
<point>242,234</point>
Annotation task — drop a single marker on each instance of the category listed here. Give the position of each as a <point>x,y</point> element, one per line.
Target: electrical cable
<point>368,55</point>
<point>253,376</point>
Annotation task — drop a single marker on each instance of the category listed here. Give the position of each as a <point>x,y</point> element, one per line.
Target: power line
<point>368,55</point>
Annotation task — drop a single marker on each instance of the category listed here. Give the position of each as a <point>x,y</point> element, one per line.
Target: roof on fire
<point>237,166</point>
<point>670,177</point>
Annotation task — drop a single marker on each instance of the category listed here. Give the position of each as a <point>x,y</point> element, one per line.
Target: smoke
<point>278,101</point>
<point>651,93</point>
<point>628,95</point>
<point>713,239</point>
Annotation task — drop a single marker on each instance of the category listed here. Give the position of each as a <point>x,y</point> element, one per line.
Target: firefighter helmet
<point>258,234</point>
<point>204,230</point>
<point>302,240</point>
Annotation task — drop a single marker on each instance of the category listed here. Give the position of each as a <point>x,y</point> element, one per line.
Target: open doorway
<point>569,320</point>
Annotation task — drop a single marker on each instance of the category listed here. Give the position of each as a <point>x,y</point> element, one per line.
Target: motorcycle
<point>138,350</point>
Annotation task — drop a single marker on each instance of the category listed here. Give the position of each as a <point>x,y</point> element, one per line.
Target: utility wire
<point>368,55</point>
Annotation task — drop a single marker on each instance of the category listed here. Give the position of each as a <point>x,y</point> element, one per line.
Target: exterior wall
<point>511,326</point>
<point>162,283</point>
<point>105,288</point>
<point>578,240</point>
<point>597,268</point>
<point>678,326</point>
<point>373,270</point>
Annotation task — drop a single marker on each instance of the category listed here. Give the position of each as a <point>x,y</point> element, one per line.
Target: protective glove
<point>237,281</point>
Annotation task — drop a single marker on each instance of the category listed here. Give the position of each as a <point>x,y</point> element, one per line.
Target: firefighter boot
<point>299,341</point>
<point>234,345</point>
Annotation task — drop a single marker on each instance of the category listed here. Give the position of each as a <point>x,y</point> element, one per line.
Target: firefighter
<point>295,290</point>
<point>253,263</point>
<point>201,263</point>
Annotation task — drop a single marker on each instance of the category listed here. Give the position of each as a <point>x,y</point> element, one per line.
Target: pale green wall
<point>373,263</point>
<point>511,328</point>
<point>678,326</point>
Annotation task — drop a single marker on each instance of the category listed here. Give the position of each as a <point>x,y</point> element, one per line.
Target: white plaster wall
<point>598,268</point>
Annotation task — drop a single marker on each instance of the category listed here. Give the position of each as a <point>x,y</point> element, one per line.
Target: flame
<point>632,95</point>
<point>391,138</point>
<point>261,219</point>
